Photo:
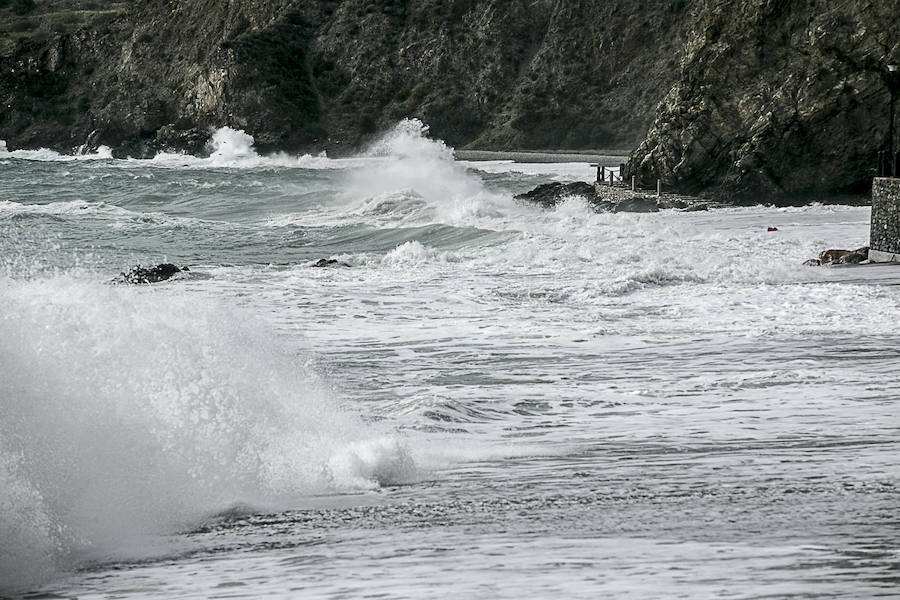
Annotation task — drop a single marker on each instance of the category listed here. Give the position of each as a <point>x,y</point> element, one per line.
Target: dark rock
<point>844,257</point>
<point>813,262</point>
<point>637,204</point>
<point>851,258</point>
<point>827,256</point>
<point>780,102</point>
<point>303,76</point>
<point>700,206</point>
<point>192,140</point>
<point>549,195</point>
<point>329,262</point>
<point>612,200</point>
<point>139,274</point>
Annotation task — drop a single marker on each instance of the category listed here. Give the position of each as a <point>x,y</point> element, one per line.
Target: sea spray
<point>136,411</point>
<point>408,170</point>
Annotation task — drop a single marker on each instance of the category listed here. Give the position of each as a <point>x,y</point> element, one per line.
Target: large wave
<point>137,411</point>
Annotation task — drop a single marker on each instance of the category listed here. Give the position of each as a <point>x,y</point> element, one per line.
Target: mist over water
<point>492,401</point>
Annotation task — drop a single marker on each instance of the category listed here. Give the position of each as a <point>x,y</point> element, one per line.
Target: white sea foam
<point>133,411</point>
<point>45,155</point>
<point>234,149</point>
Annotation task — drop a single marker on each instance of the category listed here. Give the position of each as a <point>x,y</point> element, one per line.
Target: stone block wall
<point>884,237</point>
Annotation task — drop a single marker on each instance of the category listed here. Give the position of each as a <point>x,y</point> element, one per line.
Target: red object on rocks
<point>772,229</point>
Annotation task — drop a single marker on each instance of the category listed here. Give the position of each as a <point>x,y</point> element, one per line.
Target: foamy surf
<point>490,390</point>
<point>131,412</point>
<point>46,155</point>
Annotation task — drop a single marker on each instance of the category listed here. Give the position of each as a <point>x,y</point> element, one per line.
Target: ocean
<point>491,401</point>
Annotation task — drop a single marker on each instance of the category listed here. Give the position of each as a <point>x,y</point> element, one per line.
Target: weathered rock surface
<point>329,74</point>
<point>835,256</point>
<point>775,100</point>
<point>549,195</point>
<point>139,274</point>
<point>601,198</point>
<point>745,100</point>
<point>324,263</point>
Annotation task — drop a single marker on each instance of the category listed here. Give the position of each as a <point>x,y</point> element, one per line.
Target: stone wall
<point>884,239</point>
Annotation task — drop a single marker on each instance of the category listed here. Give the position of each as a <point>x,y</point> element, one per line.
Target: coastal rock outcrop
<point>775,101</point>
<point>601,198</point>
<point>324,263</point>
<point>330,74</point>
<point>548,195</point>
<point>740,100</point>
<point>840,257</point>
<point>141,275</point>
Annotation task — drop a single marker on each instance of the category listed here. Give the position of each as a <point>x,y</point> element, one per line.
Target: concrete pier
<point>884,235</point>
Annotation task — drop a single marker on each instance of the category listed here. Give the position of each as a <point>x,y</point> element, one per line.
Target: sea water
<point>492,401</point>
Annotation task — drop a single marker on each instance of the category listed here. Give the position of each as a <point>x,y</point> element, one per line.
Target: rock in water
<point>831,255</point>
<point>772,99</point>
<point>841,257</point>
<point>549,195</point>
<point>155,274</point>
<point>329,262</point>
<point>637,204</point>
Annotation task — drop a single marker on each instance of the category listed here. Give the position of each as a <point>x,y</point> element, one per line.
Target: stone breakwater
<point>884,236</point>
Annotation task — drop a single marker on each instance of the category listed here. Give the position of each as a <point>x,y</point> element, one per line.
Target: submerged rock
<point>329,262</point>
<point>139,274</point>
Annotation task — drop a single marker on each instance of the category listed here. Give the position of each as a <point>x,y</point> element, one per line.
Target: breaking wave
<point>45,155</point>
<point>134,412</point>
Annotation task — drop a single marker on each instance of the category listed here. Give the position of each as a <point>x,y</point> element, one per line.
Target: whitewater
<point>492,401</point>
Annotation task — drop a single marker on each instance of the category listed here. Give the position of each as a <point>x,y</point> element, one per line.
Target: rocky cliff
<point>776,99</point>
<point>742,99</point>
<point>313,74</point>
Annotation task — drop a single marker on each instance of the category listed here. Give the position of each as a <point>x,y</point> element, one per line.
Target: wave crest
<point>132,411</point>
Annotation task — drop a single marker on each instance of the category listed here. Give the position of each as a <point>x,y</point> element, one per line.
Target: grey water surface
<point>492,401</point>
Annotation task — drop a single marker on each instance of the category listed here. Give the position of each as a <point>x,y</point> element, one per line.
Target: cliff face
<point>776,99</point>
<point>742,98</point>
<point>313,74</point>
